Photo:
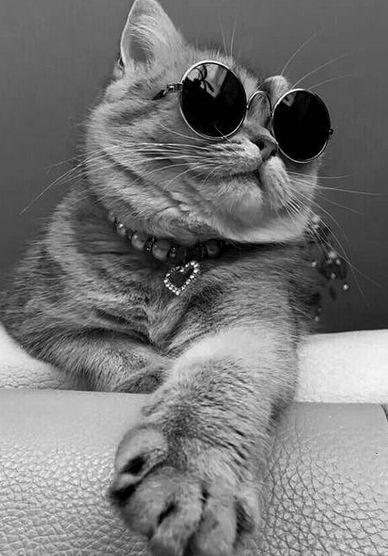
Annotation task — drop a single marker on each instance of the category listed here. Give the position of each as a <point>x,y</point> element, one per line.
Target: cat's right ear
<point>149,35</point>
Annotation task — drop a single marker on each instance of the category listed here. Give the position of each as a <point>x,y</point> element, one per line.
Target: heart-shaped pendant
<point>180,277</point>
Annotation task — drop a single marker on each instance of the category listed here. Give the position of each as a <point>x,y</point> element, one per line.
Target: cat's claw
<point>180,512</point>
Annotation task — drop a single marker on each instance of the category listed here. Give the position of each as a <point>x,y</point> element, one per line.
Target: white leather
<point>343,367</point>
<point>327,481</point>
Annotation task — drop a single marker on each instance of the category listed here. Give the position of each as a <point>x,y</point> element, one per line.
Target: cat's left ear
<point>149,35</point>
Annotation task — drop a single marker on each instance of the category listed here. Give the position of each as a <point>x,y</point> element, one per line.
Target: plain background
<point>55,55</point>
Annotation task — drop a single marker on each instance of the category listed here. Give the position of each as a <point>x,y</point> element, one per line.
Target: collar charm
<point>180,277</point>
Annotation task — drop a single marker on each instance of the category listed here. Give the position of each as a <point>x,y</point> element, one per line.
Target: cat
<point>219,360</point>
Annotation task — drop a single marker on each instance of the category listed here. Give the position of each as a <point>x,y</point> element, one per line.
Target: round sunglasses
<point>213,103</point>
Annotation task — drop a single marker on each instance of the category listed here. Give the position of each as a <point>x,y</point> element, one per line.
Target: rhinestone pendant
<point>180,277</point>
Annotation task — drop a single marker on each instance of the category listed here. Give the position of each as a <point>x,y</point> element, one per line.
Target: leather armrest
<point>328,491</point>
<point>342,367</point>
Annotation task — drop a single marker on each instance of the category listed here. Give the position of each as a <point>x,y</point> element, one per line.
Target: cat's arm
<point>107,360</point>
<point>204,435</point>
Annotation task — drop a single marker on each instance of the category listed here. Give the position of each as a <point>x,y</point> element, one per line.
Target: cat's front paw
<point>183,508</point>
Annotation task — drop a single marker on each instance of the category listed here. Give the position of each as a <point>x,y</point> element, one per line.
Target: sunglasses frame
<point>178,88</point>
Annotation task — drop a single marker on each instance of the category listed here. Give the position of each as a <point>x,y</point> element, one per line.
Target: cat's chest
<point>141,306</point>
<point>225,290</point>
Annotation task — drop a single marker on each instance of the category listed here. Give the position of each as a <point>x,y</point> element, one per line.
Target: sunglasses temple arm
<point>170,88</point>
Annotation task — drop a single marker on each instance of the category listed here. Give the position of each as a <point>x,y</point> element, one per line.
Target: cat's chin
<point>279,229</point>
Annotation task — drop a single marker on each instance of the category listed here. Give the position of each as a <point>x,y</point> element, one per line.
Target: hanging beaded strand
<point>327,261</point>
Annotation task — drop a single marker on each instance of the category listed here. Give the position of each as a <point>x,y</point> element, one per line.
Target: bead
<point>160,249</point>
<point>317,318</point>
<point>148,244</point>
<point>314,264</point>
<point>193,253</point>
<point>345,287</point>
<point>316,219</point>
<point>203,250</point>
<point>172,252</point>
<point>121,229</point>
<point>333,275</point>
<point>138,240</point>
<point>111,217</point>
<point>213,248</point>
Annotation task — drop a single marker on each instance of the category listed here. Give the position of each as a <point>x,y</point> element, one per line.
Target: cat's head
<point>157,175</point>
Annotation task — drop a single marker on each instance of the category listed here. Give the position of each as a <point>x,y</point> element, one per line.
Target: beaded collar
<point>330,265</point>
<point>185,259</point>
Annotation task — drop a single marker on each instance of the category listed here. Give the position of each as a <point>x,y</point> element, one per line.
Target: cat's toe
<point>164,506</point>
<point>141,450</point>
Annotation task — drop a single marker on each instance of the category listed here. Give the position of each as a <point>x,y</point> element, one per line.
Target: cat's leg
<point>188,476</point>
<point>108,361</point>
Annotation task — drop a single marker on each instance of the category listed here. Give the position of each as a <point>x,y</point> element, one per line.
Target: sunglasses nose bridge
<point>262,98</point>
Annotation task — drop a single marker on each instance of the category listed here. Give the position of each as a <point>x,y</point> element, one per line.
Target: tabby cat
<point>220,359</point>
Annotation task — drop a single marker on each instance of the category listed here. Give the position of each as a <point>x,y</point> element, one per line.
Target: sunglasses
<point>213,103</point>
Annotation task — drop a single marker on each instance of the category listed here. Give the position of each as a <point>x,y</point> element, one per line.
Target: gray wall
<point>55,55</point>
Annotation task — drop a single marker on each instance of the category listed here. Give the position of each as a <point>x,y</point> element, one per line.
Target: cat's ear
<point>148,35</point>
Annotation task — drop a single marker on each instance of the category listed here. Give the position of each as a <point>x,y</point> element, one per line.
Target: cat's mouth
<point>246,177</point>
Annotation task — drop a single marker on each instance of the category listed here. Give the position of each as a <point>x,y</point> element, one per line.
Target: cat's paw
<point>182,512</point>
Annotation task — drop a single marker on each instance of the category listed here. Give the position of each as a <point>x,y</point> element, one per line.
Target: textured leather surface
<point>327,488</point>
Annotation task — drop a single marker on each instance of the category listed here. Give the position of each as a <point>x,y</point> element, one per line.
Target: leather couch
<point>327,484</point>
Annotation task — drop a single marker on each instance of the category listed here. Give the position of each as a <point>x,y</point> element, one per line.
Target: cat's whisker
<point>91,162</point>
<point>299,49</point>
<point>139,146</point>
<point>222,35</point>
<point>158,169</point>
<point>369,193</point>
<point>344,176</point>
<point>174,157</point>
<point>233,35</point>
<point>191,137</point>
<point>57,181</point>
<point>311,87</point>
<point>341,190</point>
<point>332,61</point>
<point>350,209</point>
<point>213,171</point>
<point>303,183</point>
<point>165,186</point>
<point>56,164</point>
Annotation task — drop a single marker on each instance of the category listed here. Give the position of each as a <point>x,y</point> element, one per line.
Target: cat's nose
<point>267,145</point>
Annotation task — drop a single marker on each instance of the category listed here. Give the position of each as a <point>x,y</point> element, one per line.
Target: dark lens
<point>301,125</point>
<point>213,100</point>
